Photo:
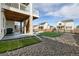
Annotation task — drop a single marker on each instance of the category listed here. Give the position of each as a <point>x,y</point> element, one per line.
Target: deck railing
<point>22,7</point>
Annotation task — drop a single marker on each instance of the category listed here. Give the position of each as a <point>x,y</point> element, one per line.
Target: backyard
<point>64,45</point>
<point>12,44</point>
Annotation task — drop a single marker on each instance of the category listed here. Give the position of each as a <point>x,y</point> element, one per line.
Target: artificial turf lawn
<point>9,45</point>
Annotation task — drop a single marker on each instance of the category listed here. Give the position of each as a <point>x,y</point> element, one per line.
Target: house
<point>36,28</point>
<point>76,30</point>
<point>43,27</point>
<point>66,26</point>
<point>20,12</point>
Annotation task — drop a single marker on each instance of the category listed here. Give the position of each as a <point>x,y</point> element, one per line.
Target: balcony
<point>22,8</point>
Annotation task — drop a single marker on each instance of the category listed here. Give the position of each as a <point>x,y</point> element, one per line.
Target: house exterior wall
<point>67,26</point>
<point>60,24</point>
<point>45,26</point>
<point>19,7</point>
<point>2,23</point>
<point>10,24</point>
<point>35,28</point>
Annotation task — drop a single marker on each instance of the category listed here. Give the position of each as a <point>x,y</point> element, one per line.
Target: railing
<point>22,7</point>
<point>15,5</point>
<point>35,12</point>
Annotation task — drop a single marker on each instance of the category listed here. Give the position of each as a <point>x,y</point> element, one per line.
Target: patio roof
<point>15,16</point>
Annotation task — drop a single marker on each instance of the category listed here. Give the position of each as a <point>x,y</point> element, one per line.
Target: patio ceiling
<point>15,16</point>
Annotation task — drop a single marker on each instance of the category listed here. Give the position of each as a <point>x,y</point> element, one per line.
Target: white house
<point>66,25</point>
<point>20,12</point>
<point>42,27</point>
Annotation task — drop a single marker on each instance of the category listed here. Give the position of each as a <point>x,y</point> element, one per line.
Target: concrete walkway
<point>49,47</point>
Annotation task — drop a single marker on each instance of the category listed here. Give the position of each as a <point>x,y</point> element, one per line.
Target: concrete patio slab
<point>15,36</point>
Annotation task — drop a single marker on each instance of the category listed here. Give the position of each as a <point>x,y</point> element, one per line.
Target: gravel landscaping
<point>76,37</point>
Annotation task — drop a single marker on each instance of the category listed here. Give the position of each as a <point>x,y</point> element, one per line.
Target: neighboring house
<point>53,29</point>
<point>76,30</point>
<point>43,27</point>
<point>66,26</point>
<point>36,27</point>
<point>20,12</point>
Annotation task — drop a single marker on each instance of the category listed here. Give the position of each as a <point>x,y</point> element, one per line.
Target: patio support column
<point>25,26</point>
<point>30,21</point>
<point>20,26</point>
<point>28,27</point>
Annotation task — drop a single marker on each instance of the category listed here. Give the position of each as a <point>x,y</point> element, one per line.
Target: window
<point>40,27</point>
<point>59,23</point>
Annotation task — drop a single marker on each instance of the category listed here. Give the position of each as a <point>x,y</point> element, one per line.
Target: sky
<point>54,12</point>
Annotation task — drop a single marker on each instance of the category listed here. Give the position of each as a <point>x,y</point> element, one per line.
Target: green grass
<point>9,45</point>
<point>51,34</point>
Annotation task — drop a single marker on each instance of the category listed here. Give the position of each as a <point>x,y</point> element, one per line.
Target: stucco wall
<point>69,24</point>
<point>10,24</point>
<point>2,23</point>
<point>45,26</point>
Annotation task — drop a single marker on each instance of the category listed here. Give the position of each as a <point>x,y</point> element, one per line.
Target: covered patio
<point>25,28</point>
